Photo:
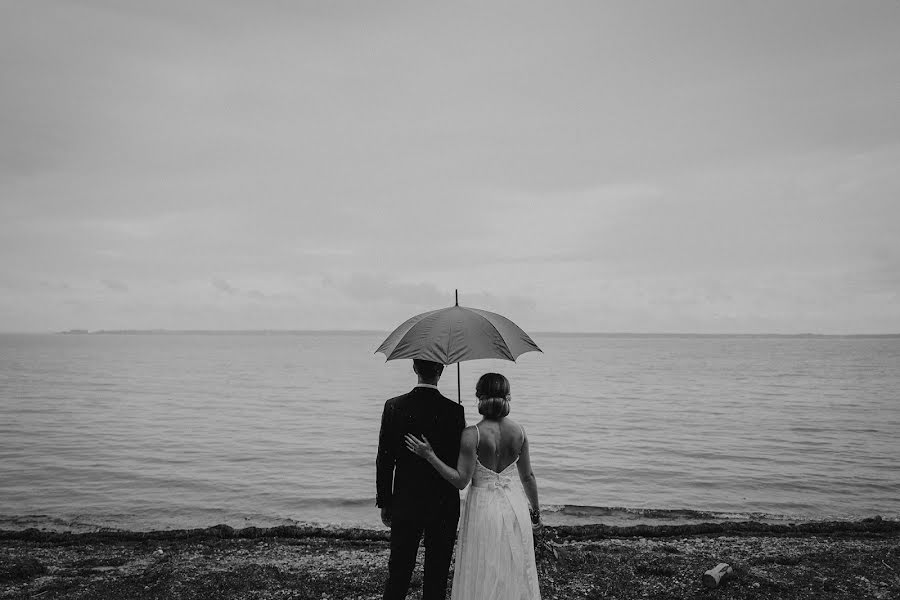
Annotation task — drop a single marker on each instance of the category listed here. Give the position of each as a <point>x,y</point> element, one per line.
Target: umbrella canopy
<point>458,333</point>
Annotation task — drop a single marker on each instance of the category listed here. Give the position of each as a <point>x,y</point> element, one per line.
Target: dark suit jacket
<point>406,483</point>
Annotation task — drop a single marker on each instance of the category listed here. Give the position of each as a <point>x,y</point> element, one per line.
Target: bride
<point>495,554</point>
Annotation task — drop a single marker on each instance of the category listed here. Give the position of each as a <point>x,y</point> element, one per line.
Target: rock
<point>715,576</point>
<point>17,569</point>
<point>221,530</point>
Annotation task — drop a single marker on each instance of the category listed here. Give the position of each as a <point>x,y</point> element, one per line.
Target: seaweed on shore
<point>871,526</point>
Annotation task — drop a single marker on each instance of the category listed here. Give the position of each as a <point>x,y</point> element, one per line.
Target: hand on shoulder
<point>420,447</point>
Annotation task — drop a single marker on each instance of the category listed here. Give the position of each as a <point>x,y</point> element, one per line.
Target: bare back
<point>499,443</point>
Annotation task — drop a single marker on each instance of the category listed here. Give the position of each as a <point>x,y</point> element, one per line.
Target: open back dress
<point>495,551</point>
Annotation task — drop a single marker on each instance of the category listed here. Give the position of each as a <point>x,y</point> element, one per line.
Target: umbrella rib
<point>450,341</point>
<point>445,347</point>
<point>387,348</point>
<point>505,341</point>
<point>424,318</point>
<point>530,342</point>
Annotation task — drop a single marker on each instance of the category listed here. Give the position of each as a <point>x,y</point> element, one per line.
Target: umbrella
<point>458,333</point>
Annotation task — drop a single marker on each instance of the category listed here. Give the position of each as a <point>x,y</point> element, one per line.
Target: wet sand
<point>808,560</point>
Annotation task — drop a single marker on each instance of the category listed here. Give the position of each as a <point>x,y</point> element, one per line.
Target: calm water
<point>157,431</point>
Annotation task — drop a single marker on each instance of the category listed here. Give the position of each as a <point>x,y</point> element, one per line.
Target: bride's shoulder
<point>515,428</point>
<point>469,436</point>
<point>510,424</point>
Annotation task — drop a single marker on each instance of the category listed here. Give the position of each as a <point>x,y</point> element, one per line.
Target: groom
<point>413,498</point>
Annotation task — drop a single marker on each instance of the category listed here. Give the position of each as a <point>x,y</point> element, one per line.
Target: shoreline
<point>872,525</point>
<point>562,515</point>
<point>826,559</point>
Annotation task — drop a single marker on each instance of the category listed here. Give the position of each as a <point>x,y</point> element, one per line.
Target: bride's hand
<point>419,447</point>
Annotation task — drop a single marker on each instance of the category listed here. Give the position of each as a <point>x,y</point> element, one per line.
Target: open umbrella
<point>454,334</point>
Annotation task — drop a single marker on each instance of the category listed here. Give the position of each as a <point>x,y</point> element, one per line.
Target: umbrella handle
<point>458,386</point>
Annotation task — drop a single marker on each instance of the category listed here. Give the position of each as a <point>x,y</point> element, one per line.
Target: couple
<point>426,455</point>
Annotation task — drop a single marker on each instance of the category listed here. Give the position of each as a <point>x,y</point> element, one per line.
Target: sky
<point>709,167</point>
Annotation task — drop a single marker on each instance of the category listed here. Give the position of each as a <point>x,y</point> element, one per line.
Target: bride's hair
<point>492,391</point>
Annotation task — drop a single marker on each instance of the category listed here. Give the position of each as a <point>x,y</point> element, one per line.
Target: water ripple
<point>169,430</point>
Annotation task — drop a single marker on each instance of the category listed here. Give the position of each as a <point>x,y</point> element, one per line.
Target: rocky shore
<point>841,560</point>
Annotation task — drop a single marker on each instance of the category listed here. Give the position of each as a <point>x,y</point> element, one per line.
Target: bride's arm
<point>465,464</point>
<point>528,481</point>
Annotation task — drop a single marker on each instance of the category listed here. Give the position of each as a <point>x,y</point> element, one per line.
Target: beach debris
<point>717,575</point>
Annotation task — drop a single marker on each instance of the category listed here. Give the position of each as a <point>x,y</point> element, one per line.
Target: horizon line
<point>163,331</point>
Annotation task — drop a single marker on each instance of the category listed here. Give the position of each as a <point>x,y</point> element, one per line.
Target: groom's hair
<point>492,390</point>
<point>428,369</point>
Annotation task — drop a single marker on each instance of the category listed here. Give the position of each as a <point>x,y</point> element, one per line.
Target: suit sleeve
<point>460,425</point>
<point>385,461</point>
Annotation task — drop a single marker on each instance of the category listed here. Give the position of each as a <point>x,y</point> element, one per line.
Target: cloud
<point>551,182</point>
<point>506,305</point>
<point>115,285</point>
<point>224,286</point>
<point>244,293</point>
<point>373,288</point>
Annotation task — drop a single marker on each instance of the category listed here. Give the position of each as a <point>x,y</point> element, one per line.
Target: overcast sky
<point>577,166</point>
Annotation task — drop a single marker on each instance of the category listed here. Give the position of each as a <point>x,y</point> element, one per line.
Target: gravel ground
<point>842,561</point>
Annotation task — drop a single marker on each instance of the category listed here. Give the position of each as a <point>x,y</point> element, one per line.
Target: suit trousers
<point>440,535</point>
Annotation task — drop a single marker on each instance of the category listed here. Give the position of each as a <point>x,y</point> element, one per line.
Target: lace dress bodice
<point>484,477</point>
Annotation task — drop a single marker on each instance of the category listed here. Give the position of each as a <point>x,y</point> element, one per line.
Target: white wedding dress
<point>495,551</point>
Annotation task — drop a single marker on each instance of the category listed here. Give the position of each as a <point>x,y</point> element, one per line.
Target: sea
<point>148,431</point>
